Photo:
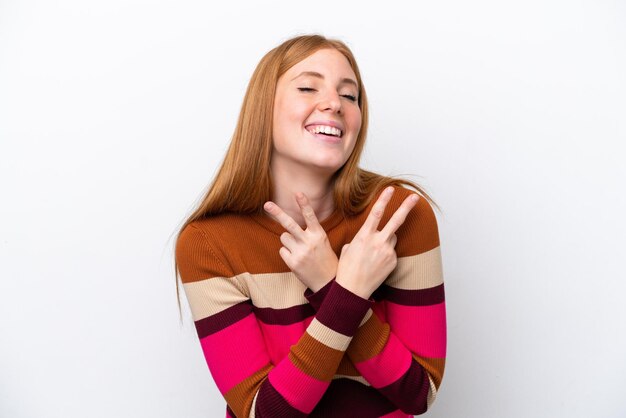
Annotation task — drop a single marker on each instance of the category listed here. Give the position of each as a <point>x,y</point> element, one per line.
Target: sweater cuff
<point>316,298</point>
<point>342,310</point>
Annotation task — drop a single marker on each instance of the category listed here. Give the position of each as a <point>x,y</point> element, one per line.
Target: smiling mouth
<point>329,130</point>
<point>324,137</point>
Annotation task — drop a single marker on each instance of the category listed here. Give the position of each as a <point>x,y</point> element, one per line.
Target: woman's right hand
<point>365,263</point>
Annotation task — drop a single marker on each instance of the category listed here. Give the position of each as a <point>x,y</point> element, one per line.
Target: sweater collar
<point>267,222</point>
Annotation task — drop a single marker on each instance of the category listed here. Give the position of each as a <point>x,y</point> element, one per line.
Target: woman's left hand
<point>306,252</point>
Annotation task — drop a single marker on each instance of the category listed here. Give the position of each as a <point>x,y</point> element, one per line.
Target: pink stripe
<point>388,366</point>
<point>235,353</point>
<point>280,338</point>
<point>302,391</point>
<point>397,414</point>
<point>422,329</point>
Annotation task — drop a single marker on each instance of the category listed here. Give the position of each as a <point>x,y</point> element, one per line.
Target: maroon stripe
<point>420,297</point>
<point>286,316</point>
<point>414,381</point>
<point>271,404</point>
<point>348,398</point>
<point>379,294</point>
<point>342,310</point>
<point>316,298</point>
<point>224,319</point>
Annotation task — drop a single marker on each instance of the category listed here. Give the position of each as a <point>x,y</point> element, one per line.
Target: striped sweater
<point>277,349</point>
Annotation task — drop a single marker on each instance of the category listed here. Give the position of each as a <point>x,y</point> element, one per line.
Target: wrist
<point>316,287</point>
<point>353,287</point>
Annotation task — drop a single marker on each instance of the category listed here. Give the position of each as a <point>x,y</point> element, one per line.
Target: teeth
<point>316,129</point>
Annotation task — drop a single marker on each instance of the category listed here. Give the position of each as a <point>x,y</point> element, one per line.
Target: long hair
<point>243,182</point>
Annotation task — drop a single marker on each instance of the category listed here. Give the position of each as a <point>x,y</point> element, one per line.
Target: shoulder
<point>198,234</point>
<point>196,255</point>
<point>422,209</point>
<point>422,212</point>
<point>419,232</point>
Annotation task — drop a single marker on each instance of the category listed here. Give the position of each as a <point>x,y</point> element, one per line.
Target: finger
<point>399,216</point>
<point>288,240</point>
<point>282,218</point>
<point>394,240</point>
<point>285,254</point>
<point>377,211</point>
<point>307,211</point>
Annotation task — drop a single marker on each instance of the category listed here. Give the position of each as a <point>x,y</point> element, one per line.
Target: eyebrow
<point>318,75</point>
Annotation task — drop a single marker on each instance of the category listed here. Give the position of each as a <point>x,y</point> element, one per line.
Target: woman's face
<point>313,99</point>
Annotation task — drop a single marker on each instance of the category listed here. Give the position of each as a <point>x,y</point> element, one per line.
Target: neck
<point>317,188</point>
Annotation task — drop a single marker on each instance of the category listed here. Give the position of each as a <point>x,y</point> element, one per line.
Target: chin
<point>327,166</point>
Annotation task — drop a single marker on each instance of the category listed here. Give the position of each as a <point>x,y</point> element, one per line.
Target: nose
<point>330,101</point>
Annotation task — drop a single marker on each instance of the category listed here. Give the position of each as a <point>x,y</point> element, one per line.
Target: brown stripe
<point>306,355</point>
<point>421,297</point>
<point>224,233</point>
<point>231,228</point>
<point>420,222</point>
<point>285,316</point>
<point>224,319</point>
<point>346,367</point>
<point>195,258</point>
<point>240,397</point>
<point>434,366</point>
<point>369,340</point>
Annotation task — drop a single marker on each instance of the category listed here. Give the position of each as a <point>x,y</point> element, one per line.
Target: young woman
<point>316,287</point>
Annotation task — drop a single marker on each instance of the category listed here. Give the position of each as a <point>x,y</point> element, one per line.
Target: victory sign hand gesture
<point>306,252</point>
<point>366,262</point>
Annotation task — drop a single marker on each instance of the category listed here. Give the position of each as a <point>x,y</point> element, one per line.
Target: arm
<point>404,357</point>
<point>233,345</point>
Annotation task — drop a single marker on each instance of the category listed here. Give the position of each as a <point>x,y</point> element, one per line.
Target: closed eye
<point>347,96</point>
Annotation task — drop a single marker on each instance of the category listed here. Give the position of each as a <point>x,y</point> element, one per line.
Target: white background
<point>115,115</point>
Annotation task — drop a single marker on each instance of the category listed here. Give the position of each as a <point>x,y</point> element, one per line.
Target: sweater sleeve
<point>403,357</point>
<point>316,298</point>
<point>233,345</point>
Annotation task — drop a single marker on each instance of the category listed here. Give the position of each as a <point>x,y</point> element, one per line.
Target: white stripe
<point>210,296</point>
<point>251,415</point>
<point>328,336</point>
<point>432,392</point>
<point>420,271</point>
<point>274,290</point>
<point>359,379</point>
